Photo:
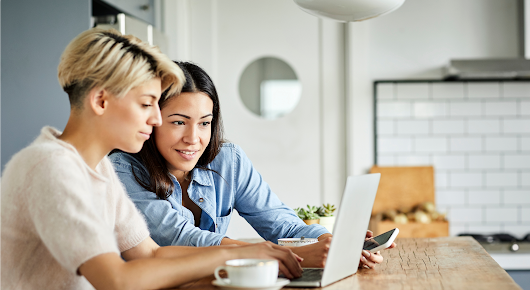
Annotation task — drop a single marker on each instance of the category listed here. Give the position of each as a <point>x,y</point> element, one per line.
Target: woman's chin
<point>182,166</point>
<point>132,149</point>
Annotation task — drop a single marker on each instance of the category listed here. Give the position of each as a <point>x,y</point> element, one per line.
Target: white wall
<point>414,42</point>
<point>34,35</point>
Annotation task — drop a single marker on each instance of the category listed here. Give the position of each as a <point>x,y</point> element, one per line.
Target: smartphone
<point>381,242</point>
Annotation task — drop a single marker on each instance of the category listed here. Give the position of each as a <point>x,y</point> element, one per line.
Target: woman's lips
<point>188,155</point>
<point>145,135</point>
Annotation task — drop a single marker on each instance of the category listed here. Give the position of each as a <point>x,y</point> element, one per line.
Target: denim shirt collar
<point>201,176</point>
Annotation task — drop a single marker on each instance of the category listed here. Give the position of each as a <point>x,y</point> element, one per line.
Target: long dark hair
<point>197,81</point>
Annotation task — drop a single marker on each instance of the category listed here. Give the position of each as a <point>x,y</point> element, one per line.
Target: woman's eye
<point>147,105</point>
<point>178,122</point>
<point>206,123</point>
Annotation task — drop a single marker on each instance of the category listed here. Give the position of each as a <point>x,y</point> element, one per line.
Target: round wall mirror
<point>269,88</point>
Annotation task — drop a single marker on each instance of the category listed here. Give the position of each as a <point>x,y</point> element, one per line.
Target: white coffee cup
<point>249,272</point>
<point>296,242</point>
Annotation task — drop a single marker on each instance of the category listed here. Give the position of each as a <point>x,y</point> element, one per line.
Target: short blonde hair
<point>114,62</point>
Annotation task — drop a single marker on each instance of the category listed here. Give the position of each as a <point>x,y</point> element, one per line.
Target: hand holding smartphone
<point>381,242</point>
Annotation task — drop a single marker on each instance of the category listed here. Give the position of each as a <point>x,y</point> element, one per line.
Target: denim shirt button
<point>201,199</point>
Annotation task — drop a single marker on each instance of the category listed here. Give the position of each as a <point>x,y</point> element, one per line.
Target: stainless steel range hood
<point>508,68</point>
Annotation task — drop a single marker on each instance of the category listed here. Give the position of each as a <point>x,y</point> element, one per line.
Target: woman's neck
<point>183,177</point>
<point>86,141</point>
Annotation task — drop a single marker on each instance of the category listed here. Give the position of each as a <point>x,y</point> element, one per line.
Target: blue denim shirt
<point>238,186</point>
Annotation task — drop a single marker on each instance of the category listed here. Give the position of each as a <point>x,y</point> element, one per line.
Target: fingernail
<point>363,259</point>
<point>366,253</point>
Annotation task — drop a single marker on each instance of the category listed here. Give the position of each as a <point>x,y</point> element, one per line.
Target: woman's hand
<point>288,261</point>
<point>368,259</point>
<point>314,255</point>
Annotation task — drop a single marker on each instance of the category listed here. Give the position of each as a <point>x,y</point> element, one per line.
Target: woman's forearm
<point>109,271</point>
<point>164,273</point>
<point>181,251</point>
<point>157,270</point>
<point>227,241</point>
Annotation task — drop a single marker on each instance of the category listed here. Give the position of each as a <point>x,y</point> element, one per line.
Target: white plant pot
<point>328,222</point>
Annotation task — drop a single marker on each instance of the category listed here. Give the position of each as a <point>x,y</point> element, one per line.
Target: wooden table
<point>422,263</point>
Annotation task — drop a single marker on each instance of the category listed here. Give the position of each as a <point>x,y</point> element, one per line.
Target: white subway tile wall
<point>451,197</point>
<point>465,144</point>
<point>504,108</point>
<point>412,91</point>
<point>482,161</point>
<point>521,197</point>
<point>414,159</point>
<point>516,90</point>
<point>477,137</point>
<point>501,144</point>
<point>486,229</point>
<point>483,90</point>
<point>503,214</point>
<point>465,109</point>
<point>525,214</point>
<point>447,91</point>
<point>429,110</point>
<point>524,108</point>
<point>482,196</point>
<point>448,127</point>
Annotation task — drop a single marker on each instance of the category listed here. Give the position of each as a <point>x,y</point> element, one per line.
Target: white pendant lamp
<point>349,10</point>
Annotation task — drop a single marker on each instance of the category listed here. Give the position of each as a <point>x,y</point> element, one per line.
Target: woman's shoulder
<point>229,148</point>
<point>46,152</point>
<point>229,152</point>
<point>123,161</point>
<point>225,157</point>
<point>229,156</point>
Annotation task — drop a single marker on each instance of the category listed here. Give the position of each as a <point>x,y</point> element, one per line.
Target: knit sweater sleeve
<point>131,228</point>
<point>68,217</point>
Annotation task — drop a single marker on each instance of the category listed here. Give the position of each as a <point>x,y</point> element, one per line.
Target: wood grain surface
<point>422,263</point>
<point>411,229</point>
<point>403,187</point>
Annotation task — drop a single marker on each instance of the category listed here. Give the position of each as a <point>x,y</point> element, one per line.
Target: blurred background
<point>343,97</point>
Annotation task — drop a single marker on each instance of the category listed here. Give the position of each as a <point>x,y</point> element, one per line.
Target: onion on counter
<point>422,213</point>
<point>422,217</point>
<point>401,219</point>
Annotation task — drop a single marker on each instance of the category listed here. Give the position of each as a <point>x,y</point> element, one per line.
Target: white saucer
<point>278,285</point>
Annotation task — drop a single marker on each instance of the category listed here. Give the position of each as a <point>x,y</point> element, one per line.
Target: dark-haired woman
<point>187,181</point>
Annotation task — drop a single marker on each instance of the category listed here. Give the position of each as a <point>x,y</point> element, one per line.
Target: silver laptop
<point>348,233</point>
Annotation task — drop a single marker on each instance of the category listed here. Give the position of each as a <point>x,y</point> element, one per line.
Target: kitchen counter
<point>510,260</point>
<point>422,263</point>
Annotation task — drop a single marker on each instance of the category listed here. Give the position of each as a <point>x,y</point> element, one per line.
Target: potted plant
<point>309,215</point>
<point>326,216</point>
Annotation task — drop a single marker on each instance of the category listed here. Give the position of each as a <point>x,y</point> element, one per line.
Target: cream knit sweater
<point>57,213</point>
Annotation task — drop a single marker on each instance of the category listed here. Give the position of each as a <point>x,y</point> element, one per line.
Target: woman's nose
<point>156,117</point>
<point>191,136</point>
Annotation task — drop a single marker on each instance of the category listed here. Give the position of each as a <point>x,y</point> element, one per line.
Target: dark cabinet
<point>141,9</point>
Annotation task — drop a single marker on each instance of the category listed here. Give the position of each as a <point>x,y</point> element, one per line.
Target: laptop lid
<point>350,227</point>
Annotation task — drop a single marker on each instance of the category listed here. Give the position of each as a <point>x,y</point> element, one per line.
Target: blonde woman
<point>66,221</point>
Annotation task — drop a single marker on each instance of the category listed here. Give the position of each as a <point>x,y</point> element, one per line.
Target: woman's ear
<point>98,100</point>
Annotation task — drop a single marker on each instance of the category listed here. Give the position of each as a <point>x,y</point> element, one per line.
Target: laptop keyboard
<point>310,274</point>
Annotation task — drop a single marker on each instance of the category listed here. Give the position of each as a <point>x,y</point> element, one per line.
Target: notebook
<point>349,233</point>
